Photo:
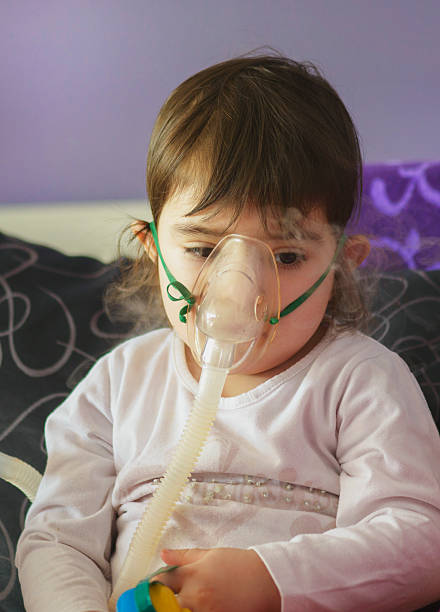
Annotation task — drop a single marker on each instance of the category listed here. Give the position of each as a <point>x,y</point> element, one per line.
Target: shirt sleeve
<point>63,554</point>
<point>384,552</point>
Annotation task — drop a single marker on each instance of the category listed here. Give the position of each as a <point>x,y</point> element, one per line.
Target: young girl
<point>319,485</point>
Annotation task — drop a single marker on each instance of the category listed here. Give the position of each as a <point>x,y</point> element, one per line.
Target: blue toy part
<point>127,602</point>
<point>136,600</point>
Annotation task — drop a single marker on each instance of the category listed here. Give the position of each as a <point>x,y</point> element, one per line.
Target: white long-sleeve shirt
<point>329,470</point>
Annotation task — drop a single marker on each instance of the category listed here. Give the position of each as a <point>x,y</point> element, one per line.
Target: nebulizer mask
<point>235,294</point>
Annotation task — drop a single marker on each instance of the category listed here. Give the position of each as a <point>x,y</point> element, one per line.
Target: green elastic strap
<point>304,296</point>
<point>185,294</point>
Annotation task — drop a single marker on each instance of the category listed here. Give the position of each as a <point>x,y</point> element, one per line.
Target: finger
<point>173,580</point>
<point>182,556</point>
<point>181,603</point>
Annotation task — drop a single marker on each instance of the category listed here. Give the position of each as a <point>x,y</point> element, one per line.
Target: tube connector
<point>217,354</point>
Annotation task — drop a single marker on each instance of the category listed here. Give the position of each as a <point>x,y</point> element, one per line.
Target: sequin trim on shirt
<point>214,489</point>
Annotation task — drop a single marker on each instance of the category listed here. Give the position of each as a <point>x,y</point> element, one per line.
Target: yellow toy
<point>163,599</point>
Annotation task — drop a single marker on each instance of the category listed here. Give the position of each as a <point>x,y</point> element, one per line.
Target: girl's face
<point>186,242</point>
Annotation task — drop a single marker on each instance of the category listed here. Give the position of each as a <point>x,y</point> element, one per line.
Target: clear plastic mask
<point>236,295</point>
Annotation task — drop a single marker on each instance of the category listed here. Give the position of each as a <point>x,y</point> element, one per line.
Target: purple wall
<point>82,80</point>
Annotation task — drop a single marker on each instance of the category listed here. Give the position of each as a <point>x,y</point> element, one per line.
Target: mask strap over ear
<point>179,287</point>
<point>304,296</point>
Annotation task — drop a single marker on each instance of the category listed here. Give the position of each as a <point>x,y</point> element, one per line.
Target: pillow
<point>52,329</point>
<point>406,319</point>
<point>401,214</point>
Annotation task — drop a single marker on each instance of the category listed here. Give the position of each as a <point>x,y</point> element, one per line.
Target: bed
<point>55,262</point>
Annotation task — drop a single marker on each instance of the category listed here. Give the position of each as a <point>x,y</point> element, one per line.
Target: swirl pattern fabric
<point>406,319</point>
<point>401,214</point>
<point>52,329</point>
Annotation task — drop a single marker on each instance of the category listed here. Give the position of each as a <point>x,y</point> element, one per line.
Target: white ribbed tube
<point>146,538</point>
<point>21,474</point>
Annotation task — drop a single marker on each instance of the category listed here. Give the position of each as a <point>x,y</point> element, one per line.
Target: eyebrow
<point>192,229</point>
<point>297,233</point>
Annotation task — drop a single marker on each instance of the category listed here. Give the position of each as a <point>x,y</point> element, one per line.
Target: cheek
<point>311,312</point>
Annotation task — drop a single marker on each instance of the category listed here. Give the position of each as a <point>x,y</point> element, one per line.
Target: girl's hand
<point>220,579</point>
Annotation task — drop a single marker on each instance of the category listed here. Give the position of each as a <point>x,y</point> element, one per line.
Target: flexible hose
<point>146,538</point>
<point>20,474</point>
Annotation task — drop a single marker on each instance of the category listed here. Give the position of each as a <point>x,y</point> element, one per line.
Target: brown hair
<point>264,130</point>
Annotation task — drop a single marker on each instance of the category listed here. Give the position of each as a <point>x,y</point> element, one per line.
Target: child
<point>319,485</point>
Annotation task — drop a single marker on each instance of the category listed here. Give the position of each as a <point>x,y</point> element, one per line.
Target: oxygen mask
<point>236,294</point>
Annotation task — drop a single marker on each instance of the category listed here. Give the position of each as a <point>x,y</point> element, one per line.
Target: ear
<point>144,235</point>
<point>356,249</point>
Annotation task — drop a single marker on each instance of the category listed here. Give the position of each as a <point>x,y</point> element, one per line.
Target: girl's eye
<point>289,258</point>
<point>202,252</point>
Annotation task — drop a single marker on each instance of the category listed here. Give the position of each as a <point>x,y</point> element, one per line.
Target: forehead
<point>219,220</point>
